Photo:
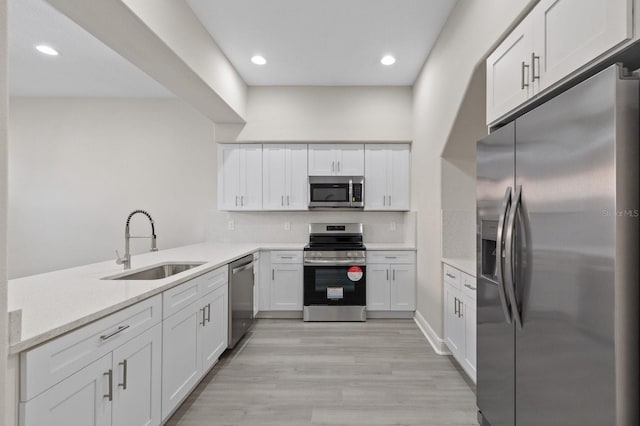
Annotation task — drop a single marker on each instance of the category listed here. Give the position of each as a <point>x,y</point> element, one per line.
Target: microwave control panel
<point>357,193</point>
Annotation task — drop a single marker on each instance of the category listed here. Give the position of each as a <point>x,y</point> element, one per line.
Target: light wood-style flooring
<point>288,372</point>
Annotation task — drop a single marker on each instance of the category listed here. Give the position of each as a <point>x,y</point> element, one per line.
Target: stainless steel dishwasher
<point>240,298</point>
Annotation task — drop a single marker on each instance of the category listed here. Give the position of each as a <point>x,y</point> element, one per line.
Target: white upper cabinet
<point>556,39</point>
<point>570,33</point>
<point>336,160</point>
<point>284,177</point>
<point>509,71</point>
<point>387,171</point>
<point>240,177</point>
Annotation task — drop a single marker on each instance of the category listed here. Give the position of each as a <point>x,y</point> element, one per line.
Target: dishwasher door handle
<point>242,268</point>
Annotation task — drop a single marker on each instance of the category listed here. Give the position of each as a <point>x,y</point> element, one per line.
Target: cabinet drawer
<point>213,280</point>
<point>180,297</point>
<point>50,363</point>
<point>286,257</point>
<point>452,276</point>
<point>404,256</point>
<point>468,285</point>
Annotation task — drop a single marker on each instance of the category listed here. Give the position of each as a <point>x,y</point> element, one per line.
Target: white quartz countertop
<point>465,265</point>
<point>55,303</point>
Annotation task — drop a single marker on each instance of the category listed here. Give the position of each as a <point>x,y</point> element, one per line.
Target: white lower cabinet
<point>391,281</point>
<point>121,389</point>
<point>192,340</point>
<point>460,318</point>
<point>286,281</point>
<point>79,400</point>
<point>136,380</point>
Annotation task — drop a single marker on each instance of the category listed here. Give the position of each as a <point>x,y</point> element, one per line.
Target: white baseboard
<point>437,343</point>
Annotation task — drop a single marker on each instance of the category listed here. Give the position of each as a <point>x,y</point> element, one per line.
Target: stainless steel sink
<point>156,272</point>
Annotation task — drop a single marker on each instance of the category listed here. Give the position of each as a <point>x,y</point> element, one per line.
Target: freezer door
<point>565,244</point>
<point>495,333</point>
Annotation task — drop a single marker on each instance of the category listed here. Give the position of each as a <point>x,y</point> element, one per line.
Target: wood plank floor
<point>288,372</point>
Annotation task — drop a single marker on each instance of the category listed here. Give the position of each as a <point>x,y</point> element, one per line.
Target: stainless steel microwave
<point>336,192</point>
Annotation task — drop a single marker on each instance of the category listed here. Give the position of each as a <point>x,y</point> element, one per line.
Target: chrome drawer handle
<point>469,287</point>
<point>110,393</point>
<point>449,275</point>
<point>110,335</point>
<point>123,385</point>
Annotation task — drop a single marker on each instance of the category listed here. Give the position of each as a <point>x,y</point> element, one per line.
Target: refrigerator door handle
<point>506,202</point>
<point>509,253</point>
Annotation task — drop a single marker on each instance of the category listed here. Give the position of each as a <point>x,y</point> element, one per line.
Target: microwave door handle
<point>350,190</point>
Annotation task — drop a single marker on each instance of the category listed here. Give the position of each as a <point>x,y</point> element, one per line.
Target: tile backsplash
<point>379,227</point>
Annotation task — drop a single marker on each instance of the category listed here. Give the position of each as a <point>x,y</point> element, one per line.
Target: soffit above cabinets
<point>85,67</point>
<point>325,42</point>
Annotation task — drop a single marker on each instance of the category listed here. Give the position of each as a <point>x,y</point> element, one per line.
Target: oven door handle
<point>331,262</point>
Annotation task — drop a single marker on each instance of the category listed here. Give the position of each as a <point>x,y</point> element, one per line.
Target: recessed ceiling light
<point>259,60</point>
<point>388,60</point>
<point>47,50</point>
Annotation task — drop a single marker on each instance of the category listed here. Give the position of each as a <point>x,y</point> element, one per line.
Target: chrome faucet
<point>126,260</point>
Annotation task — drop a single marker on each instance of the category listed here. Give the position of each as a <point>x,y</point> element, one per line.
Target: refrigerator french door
<point>558,236</point>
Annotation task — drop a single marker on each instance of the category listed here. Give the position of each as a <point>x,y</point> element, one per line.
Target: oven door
<point>335,285</point>
<point>327,194</point>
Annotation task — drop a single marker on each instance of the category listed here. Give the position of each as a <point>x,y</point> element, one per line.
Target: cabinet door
<point>274,177</point>
<point>378,287</point>
<point>509,71</point>
<point>453,322</point>
<point>214,332</point>
<point>78,400</point>
<point>350,160</point>
<point>398,177</point>
<point>297,177</point>
<point>376,194</point>
<point>136,380</point>
<point>229,177</point>
<point>470,337</point>
<point>322,160</point>
<point>403,288</point>
<point>251,177</point>
<point>181,355</point>
<point>571,33</point>
<point>286,287</point>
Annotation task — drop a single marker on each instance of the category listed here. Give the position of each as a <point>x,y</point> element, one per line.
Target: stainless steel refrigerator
<point>558,216</point>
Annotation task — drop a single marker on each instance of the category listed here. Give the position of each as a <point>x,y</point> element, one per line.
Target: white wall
<point>328,114</point>
<point>318,114</point>
<point>471,31</point>
<point>3,208</point>
<point>77,167</point>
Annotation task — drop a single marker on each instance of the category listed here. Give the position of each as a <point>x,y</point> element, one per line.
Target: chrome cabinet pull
<point>455,306</point>
<point>288,200</point>
<point>387,275</point>
<point>506,309</point>
<point>394,275</point>
<point>242,200</point>
<point>389,200</point>
<point>391,257</point>
<point>203,317</point>
<point>110,393</point>
<point>110,335</point>
<point>282,200</point>
<point>469,287</point>
<point>286,257</point>
<point>338,166</point>
<point>523,80</point>
<point>384,200</point>
<point>236,201</point>
<point>460,313</point>
<point>273,275</point>
<point>534,58</point>
<point>123,385</point>
<point>333,166</point>
<point>509,282</point>
<point>208,312</point>
<point>450,275</point>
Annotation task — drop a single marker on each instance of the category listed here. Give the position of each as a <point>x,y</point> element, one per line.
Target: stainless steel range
<point>335,277</point>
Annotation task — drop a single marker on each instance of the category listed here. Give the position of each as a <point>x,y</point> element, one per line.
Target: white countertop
<point>467,266</point>
<point>57,302</point>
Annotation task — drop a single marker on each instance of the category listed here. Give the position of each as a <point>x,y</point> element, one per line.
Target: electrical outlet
<point>232,225</point>
<point>392,226</point>
<point>287,226</point>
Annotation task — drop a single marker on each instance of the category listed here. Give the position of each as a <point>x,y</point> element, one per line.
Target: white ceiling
<point>84,68</point>
<point>306,42</point>
<point>325,42</point>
